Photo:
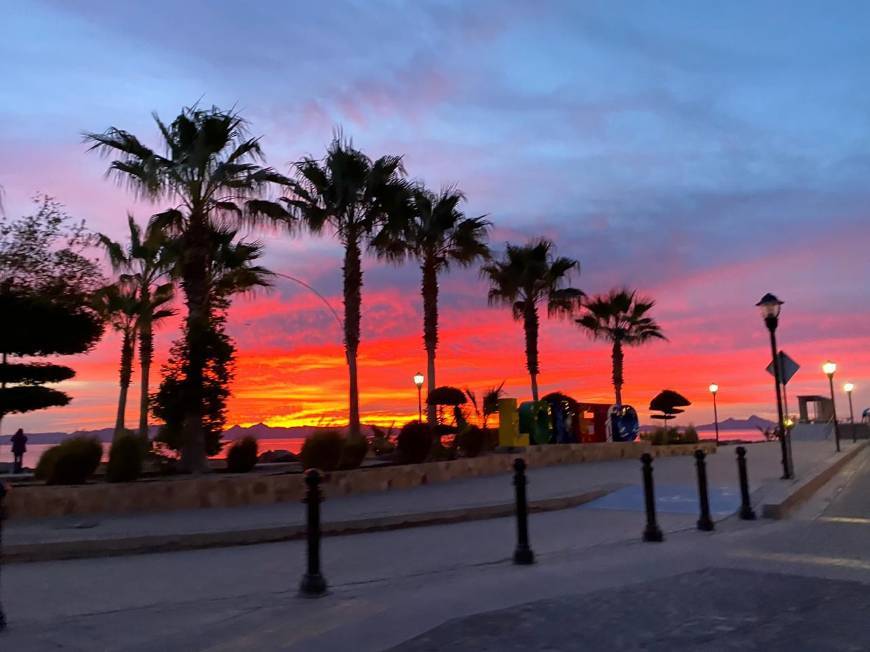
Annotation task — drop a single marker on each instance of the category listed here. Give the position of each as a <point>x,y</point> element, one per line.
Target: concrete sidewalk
<point>604,485</point>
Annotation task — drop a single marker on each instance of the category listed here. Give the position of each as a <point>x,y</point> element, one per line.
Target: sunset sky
<point>702,153</point>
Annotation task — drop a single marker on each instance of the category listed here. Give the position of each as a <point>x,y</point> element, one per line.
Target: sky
<point>703,154</point>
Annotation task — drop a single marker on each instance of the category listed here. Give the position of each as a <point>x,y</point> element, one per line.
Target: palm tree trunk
<point>352,308</point>
<point>429,291</point>
<point>126,372</point>
<point>617,370</point>
<point>530,325</point>
<point>195,285</point>
<point>146,353</point>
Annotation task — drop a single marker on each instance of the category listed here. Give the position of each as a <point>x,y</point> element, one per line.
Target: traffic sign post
<point>787,368</point>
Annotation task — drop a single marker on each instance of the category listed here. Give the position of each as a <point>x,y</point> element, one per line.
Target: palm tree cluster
<point>212,175</point>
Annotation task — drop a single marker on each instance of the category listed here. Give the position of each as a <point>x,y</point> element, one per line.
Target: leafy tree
<point>211,168</point>
<point>354,196</point>
<point>488,403</point>
<point>144,263</point>
<point>231,270</point>
<point>621,318</point>
<point>437,234</point>
<point>526,276</point>
<point>45,277</point>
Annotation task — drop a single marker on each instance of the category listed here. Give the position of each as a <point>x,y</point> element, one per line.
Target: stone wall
<point>226,490</point>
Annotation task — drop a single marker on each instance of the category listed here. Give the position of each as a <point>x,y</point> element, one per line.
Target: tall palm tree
<point>621,318</point>
<point>436,233</point>
<point>119,304</point>
<point>354,196</point>
<point>212,169</point>
<point>144,262</point>
<point>528,275</point>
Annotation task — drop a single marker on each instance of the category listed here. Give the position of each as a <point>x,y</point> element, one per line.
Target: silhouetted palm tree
<point>119,304</point>
<point>144,261</point>
<point>621,318</point>
<point>354,196</point>
<point>436,234</point>
<point>526,276</point>
<point>210,166</point>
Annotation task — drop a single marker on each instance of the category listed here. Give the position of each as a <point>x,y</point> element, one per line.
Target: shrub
<point>382,443</point>
<point>469,442</point>
<point>353,452</point>
<point>414,443</point>
<point>242,456</point>
<point>689,435</point>
<point>72,461</point>
<point>125,458</point>
<point>322,450</point>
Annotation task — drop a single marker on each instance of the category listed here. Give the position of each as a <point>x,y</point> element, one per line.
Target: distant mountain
<point>752,423</point>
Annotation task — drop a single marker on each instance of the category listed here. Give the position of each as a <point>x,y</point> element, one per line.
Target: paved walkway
<point>389,588</point>
<point>675,479</point>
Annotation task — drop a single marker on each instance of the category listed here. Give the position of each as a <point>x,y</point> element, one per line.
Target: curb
<point>795,494</point>
<point>89,548</point>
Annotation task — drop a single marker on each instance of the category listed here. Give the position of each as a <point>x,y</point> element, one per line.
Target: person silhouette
<point>19,447</point>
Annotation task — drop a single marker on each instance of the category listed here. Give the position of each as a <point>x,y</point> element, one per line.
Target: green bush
<point>322,450</point>
<point>414,443</point>
<point>72,461</point>
<point>667,436</point>
<point>125,458</point>
<point>469,442</point>
<point>689,435</point>
<point>382,441</point>
<point>242,455</point>
<point>353,452</point>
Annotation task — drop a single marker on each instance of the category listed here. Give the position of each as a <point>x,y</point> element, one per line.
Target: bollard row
<point>313,583</point>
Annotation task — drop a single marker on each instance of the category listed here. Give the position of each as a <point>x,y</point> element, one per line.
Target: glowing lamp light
<point>829,368</point>
<point>788,422</point>
<point>848,387</point>
<point>769,306</point>
<point>418,379</point>
<point>714,388</point>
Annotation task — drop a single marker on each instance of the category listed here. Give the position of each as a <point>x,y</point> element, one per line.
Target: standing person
<point>19,447</point>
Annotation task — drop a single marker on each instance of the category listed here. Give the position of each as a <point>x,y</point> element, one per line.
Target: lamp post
<point>714,388</point>
<point>830,369</point>
<point>848,387</point>
<point>770,307</point>
<point>418,381</point>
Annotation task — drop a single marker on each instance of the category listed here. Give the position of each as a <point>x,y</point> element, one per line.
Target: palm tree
<point>353,195</point>
<point>211,167</point>
<point>119,304</point>
<point>526,276</point>
<point>436,234</point>
<point>621,318</point>
<point>144,262</point>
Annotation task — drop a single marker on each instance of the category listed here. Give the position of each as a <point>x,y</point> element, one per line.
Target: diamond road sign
<point>787,368</point>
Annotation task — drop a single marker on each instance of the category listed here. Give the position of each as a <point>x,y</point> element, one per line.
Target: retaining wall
<point>225,490</point>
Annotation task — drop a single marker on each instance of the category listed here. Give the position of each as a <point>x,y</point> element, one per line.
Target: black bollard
<point>705,523</point>
<point>523,554</point>
<point>652,532</point>
<point>2,516</point>
<point>313,584</point>
<point>746,511</point>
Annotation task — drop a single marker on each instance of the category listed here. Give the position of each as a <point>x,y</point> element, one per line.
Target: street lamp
<point>418,381</point>
<point>848,387</point>
<point>830,369</point>
<point>714,388</point>
<point>770,307</point>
